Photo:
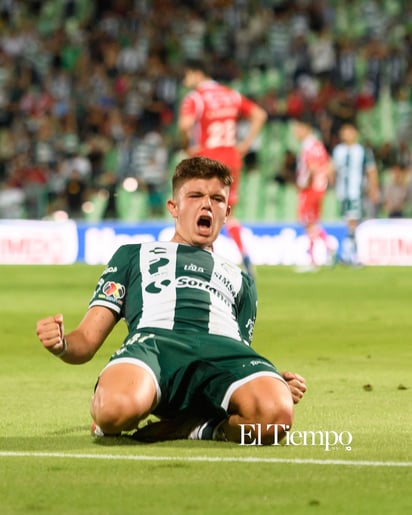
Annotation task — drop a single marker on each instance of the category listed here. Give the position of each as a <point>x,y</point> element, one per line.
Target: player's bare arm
<point>81,344</point>
<point>257,118</point>
<point>331,173</point>
<point>373,184</point>
<point>186,124</point>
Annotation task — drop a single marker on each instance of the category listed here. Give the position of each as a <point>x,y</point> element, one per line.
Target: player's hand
<point>297,385</point>
<point>243,148</point>
<point>50,332</point>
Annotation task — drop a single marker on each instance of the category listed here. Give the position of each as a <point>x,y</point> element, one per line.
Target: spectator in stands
<point>111,55</point>
<point>345,72</point>
<point>75,193</point>
<point>75,169</point>
<point>342,109</point>
<point>322,54</point>
<point>396,193</point>
<point>12,196</point>
<point>287,173</point>
<point>152,170</point>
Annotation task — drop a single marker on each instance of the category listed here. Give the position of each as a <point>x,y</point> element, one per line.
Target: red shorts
<point>310,205</point>
<point>231,158</point>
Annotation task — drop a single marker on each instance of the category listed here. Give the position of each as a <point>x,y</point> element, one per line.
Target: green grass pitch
<point>348,331</point>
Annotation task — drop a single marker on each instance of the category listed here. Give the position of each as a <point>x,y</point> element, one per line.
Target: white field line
<point>208,459</point>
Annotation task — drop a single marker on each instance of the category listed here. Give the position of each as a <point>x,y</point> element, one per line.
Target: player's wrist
<point>62,351</point>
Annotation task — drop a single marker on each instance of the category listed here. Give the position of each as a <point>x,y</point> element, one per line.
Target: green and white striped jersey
<point>178,287</point>
<point>352,164</point>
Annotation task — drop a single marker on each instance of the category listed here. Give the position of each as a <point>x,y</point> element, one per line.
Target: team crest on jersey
<point>114,290</point>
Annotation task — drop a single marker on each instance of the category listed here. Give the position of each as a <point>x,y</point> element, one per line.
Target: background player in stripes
<point>356,180</point>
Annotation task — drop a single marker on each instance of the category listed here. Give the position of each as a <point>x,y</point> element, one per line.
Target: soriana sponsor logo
<point>30,242</point>
<point>385,242</point>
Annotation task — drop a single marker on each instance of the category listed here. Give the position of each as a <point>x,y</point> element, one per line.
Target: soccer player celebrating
<point>208,121</point>
<point>187,357</point>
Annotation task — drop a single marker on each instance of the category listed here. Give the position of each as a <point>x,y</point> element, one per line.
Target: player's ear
<point>172,208</point>
<point>228,211</point>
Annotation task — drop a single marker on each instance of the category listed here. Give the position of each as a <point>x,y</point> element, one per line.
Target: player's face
<point>300,130</point>
<point>200,209</point>
<point>348,134</point>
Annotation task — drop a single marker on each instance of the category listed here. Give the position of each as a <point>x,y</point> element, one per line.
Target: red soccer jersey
<point>314,157</point>
<point>216,109</point>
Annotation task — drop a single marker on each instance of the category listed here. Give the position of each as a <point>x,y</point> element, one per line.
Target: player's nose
<point>207,202</point>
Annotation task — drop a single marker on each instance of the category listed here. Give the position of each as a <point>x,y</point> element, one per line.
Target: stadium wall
<point>380,242</point>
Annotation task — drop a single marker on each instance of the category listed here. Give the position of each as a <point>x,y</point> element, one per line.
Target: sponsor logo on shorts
<point>256,362</point>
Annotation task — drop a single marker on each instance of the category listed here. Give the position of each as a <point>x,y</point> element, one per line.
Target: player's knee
<point>116,412</point>
<point>265,407</point>
<point>274,418</point>
<point>266,428</point>
<point>268,417</point>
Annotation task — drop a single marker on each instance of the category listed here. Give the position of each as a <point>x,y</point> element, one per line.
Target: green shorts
<point>193,373</point>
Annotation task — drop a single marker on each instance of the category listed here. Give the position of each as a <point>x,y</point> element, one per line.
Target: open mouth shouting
<point>204,223</point>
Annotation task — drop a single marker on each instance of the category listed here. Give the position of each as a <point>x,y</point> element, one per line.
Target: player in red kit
<point>208,122</point>
<point>314,168</point>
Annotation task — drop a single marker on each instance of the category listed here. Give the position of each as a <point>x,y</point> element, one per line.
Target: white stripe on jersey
<point>230,276</point>
<point>170,289</point>
<point>156,276</point>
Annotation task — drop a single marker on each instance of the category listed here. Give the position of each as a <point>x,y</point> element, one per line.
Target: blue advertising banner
<point>268,244</point>
<point>380,242</point>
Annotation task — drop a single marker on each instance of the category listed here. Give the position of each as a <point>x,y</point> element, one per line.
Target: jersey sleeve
<point>247,309</point>
<point>188,105</point>
<point>111,289</point>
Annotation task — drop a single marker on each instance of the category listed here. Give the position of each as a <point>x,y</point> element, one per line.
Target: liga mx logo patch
<point>114,290</point>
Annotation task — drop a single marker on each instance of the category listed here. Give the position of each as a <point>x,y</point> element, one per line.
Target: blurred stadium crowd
<point>89,91</point>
